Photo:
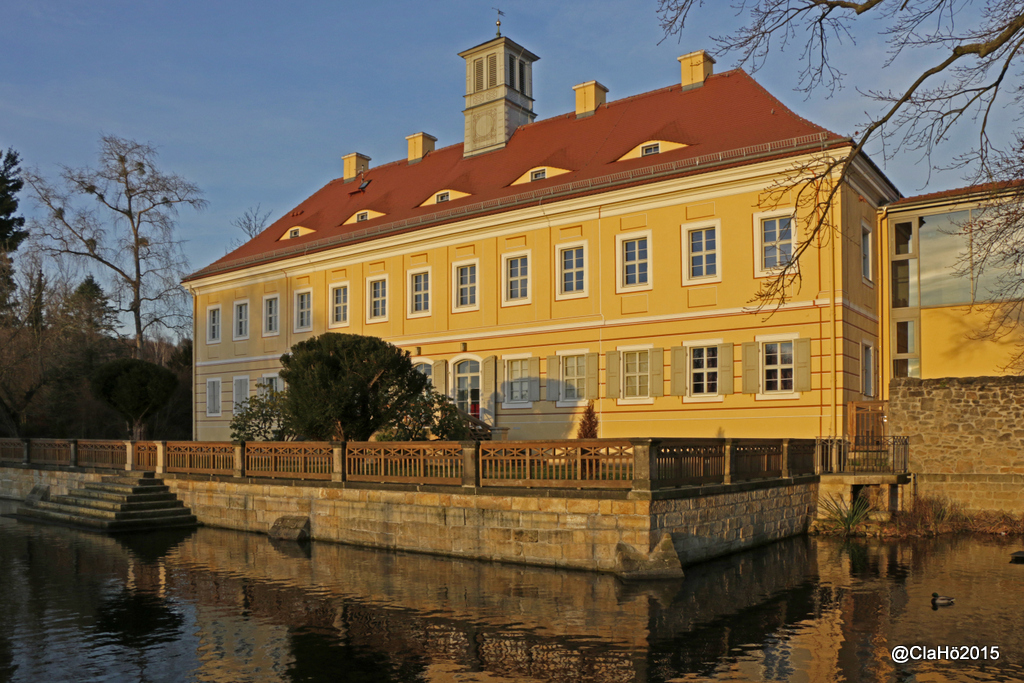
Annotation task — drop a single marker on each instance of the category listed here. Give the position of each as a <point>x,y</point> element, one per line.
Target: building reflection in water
<point>217,605</point>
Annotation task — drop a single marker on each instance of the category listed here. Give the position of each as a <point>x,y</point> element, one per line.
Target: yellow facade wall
<point>837,315</point>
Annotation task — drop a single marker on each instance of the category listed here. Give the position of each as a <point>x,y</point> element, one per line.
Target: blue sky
<point>256,102</point>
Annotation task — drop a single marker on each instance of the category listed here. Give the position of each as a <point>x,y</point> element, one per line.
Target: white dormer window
<point>362,216</point>
<point>651,149</point>
<point>441,197</point>
<point>540,174</point>
<point>294,232</point>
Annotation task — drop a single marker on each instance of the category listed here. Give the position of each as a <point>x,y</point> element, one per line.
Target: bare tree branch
<point>121,216</point>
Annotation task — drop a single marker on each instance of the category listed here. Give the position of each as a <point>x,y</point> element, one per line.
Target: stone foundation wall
<point>16,482</point>
<point>578,529</point>
<point>966,438</point>
<point>734,518</point>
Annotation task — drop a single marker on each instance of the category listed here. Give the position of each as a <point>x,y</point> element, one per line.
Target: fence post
<point>27,453</point>
<point>239,468</point>
<point>727,476</point>
<point>338,466</point>
<point>73,448</point>
<point>470,464</point>
<point>161,457</point>
<point>645,465</point>
<point>129,456</point>
<point>785,459</point>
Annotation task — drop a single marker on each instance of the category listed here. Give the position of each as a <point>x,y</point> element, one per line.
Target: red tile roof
<point>968,192</point>
<point>731,120</point>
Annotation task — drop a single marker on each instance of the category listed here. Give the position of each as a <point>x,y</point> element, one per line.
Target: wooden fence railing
<point>12,450</point>
<point>578,464</point>
<point>144,456</point>
<point>587,463</point>
<point>201,457</point>
<point>49,452</point>
<point>431,462</point>
<point>691,462</point>
<point>105,454</point>
<point>289,459</point>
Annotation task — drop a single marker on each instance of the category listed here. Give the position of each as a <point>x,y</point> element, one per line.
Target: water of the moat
<point>215,605</point>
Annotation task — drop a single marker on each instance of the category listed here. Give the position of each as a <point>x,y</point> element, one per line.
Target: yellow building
<point>609,254</point>
<point>937,301</point>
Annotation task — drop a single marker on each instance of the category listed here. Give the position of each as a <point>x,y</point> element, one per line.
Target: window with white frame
<point>702,250</point>
<point>634,262</point>
<point>703,370</point>
<point>865,251</point>
<point>441,197</point>
<point>239,393</point>
<point>268,384</point>
<point>303,311</point>
<point>339,305</point>
<point>213,397</point>
<point>419,292</point>
<point>465,286</point>
<point>517,373</point>
<point>213,325</point>
<point>517,278</point>
<point>574,377</point>
<point>636,374</point>
<point>778,367</point>
<point>648,150</point>
<point>467,387</point>
<point>241,323</point>
<point>867,370</point>
<point>572,270</point>
<point>539,174</point>
<point>378,293</point>
<point>362,216</point>
<point>271,315</point>
<point>425,369</point>
<point>776,242</point>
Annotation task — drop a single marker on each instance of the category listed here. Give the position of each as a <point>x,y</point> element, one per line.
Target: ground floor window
<point>467,387</point>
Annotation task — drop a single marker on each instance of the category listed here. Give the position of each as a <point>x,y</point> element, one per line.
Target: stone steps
<point>117,503</point>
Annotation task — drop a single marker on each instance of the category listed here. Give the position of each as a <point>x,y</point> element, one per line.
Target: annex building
<point>609,254</point>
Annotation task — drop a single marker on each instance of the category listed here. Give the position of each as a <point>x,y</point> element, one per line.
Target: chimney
<point>696,67</point>
<point>589,96</point>
<point>355,163</point>
<point>420,145</point>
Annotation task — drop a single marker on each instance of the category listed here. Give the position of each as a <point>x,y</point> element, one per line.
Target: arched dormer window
<point>650,148</point>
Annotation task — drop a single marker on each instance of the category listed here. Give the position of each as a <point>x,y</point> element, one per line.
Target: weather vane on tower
<point>498,22</point>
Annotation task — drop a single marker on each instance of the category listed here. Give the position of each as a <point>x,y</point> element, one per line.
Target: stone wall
<point>562,528</point>
<point>16,482</point>
<point>966,438</point>
<point>725,519</point>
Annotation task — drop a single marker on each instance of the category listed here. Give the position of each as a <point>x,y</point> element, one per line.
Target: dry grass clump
<point>928,516</point>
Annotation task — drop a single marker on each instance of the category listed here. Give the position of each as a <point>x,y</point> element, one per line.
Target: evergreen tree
<point>10,234</point>
<point>10,184</point>
<point>588,424</point>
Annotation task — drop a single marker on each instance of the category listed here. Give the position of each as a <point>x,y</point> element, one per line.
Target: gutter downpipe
<point>836,354</point>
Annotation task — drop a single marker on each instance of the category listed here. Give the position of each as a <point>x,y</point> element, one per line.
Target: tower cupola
<point>499,93</point>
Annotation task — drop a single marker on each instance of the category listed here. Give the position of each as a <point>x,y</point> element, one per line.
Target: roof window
<point>441,197</point>
<point>294,232</point>
<point>539,174</point>
<point>651,149</point>
<point>362,216</point>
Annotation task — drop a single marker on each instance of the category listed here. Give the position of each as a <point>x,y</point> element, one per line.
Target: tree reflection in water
<point>219,605</point>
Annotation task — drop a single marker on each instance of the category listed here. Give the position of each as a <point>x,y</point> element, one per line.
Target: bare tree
<point>974,53</point>
<point>121,216</point>
<point>251,223</point>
